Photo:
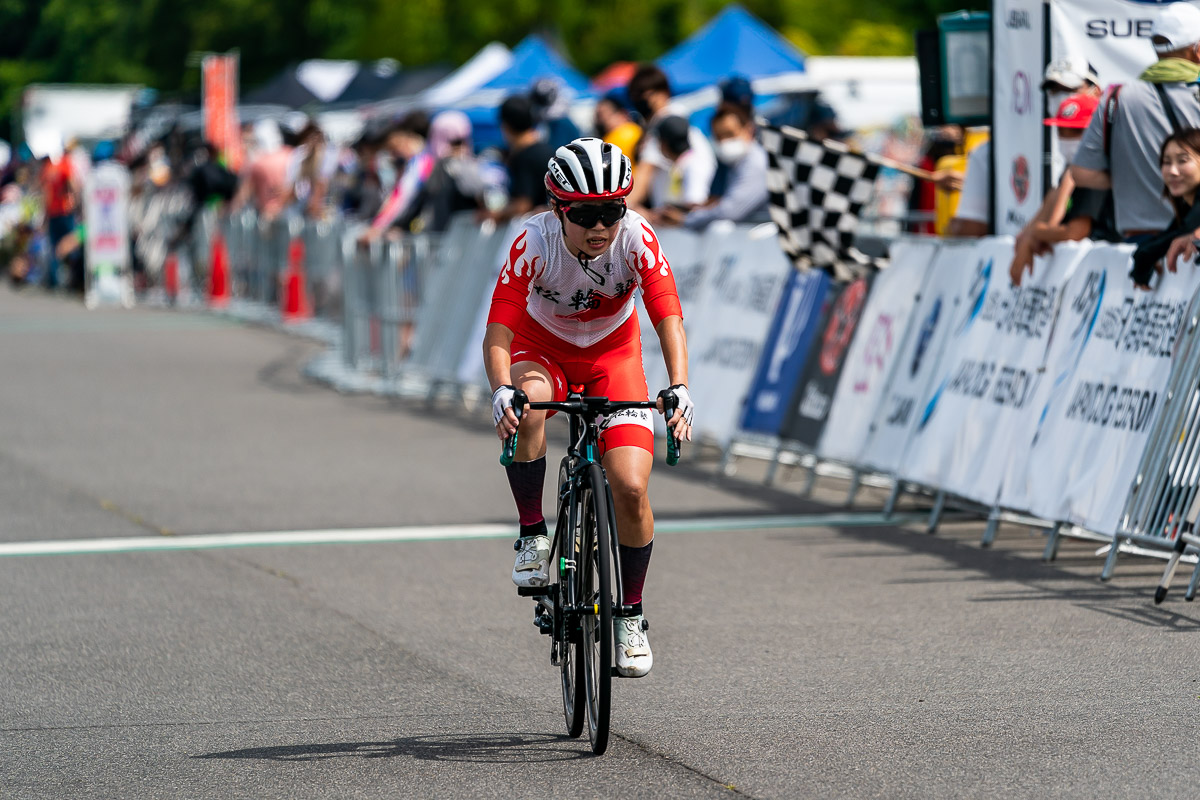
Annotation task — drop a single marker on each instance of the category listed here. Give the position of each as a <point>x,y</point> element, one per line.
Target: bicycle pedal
<point>533,591</point>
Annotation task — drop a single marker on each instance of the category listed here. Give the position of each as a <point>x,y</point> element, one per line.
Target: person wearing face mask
<point>650,92</point>
<point>745,197</point>
<point>1070,77</point>
<point>1088,212</point>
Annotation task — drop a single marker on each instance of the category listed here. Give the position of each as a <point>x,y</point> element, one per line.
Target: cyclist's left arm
<point>661,297</point>
<point>674,350</point>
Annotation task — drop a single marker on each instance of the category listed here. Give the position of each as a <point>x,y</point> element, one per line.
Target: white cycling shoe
<point>634,658</point>
<point>532,566</point>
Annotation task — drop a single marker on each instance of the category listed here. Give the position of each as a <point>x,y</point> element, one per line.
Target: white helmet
<point>589,169</point>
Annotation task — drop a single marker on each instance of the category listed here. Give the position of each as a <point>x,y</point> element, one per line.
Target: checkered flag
<point>817,191</point>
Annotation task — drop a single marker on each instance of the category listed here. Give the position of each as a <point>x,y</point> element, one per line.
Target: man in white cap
<point>1120,148</point>
<point>1067,76</point>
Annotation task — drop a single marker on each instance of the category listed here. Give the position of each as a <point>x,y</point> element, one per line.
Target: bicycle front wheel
<point>595,648</point>
<point>574,696</point>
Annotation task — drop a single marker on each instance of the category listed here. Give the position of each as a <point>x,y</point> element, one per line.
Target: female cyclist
<point>562,315</point>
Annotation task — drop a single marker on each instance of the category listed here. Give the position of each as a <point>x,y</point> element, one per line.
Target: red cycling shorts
<point>610,368</point>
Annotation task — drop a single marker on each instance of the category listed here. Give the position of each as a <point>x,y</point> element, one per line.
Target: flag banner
<point>817,191</point>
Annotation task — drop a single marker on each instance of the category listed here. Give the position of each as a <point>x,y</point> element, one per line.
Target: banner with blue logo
<point>989,376</point>
<point>785,350</point>
<point>901,407</point>
<point>1098,423</point>
<point>1078,310</point>
<point>881,334</point>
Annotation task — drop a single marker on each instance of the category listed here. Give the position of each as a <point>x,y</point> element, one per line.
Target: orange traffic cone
<point>296,307</point>
<point>218,274</point>
<point>171,277</point>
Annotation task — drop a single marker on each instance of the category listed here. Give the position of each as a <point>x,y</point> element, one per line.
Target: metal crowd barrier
<point>1163,502</point>
<point>409,312</point>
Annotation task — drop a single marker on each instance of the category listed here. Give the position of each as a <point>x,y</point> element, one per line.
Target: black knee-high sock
<point>634,562</point>
<point>526,479</point>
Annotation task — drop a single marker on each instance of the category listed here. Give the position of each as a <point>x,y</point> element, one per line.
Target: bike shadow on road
<point>480,748</point>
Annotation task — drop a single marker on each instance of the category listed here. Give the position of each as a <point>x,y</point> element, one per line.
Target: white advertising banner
<point>873,353</point>
<point>734,304</point>
<point>1023,349</point>
<point>936,315</point>
<point>1076,317</point>
<point>1113,35</point>
<point>1018,32</point>
<point>989,376</point>
<point>106,249</point>
<point>1096,428</point>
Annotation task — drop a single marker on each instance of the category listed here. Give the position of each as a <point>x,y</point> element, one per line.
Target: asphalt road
<point>810,661</point>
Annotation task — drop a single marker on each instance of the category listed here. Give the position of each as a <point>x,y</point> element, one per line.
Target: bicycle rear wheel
<point>574,696</point>
<point>594,580</point>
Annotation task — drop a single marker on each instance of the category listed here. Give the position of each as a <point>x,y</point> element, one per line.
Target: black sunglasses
<point>586,216</point>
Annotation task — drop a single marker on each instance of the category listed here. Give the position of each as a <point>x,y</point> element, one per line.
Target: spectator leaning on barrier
<point>528,155</point>
<point>1060,78</point>
<point>688,174</point>
<point>1120,148</point>
<point>650,92</point>
<point>615,126</point>
<point>1179,162</point>
<point>265,181</point>
<point>1087,213</point>
<point>455,184</point>
<point>408,142</point>
<point>745,195</point>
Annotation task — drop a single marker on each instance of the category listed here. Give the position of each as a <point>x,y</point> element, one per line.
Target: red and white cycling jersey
<point>582,305</point>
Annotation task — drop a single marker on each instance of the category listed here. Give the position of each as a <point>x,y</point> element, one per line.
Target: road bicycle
<point>576,609</point>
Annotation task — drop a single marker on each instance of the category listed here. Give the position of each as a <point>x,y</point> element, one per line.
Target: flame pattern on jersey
<point>581,305</point>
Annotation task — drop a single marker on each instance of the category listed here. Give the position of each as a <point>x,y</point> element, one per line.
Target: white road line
<point>420,533</point>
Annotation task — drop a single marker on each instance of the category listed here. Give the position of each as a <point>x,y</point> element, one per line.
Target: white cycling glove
<point>685,402</point>
<point>502,398</point>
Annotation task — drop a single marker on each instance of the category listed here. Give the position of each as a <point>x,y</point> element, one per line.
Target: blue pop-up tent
<point>533,59</point>
<point>734,42</point>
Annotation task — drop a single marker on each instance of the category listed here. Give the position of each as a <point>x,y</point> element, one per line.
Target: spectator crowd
<point>1129,168</point>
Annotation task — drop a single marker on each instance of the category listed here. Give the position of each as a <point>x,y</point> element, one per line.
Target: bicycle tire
<point>574,696</point>
<point>595,589</point>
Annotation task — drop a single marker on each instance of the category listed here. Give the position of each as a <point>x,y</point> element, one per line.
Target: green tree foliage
<point>149,41</point>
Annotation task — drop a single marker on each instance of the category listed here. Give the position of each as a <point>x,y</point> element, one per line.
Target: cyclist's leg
<point>628,471</point>
<point>627,452</point>
<point>535,375</point>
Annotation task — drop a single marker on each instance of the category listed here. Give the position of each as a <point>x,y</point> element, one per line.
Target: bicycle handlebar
<point>593,405</point>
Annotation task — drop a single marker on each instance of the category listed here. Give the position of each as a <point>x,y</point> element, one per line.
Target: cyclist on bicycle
<point>562,315</point>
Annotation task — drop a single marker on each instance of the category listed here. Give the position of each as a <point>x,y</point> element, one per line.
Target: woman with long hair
<point>1179,162</point>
